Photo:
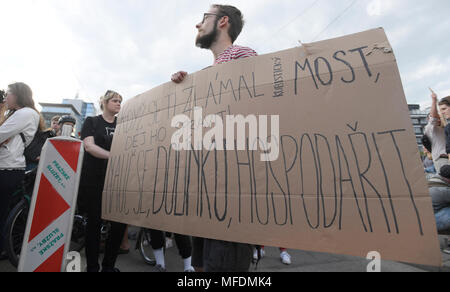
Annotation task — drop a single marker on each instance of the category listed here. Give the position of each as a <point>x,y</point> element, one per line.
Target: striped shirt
<point>233,53</point>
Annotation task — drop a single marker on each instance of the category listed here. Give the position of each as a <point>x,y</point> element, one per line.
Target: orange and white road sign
<point>49,226</point>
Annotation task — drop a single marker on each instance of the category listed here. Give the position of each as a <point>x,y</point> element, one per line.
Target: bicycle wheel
<point>15,231</point>
<point>145,248</point>
<point>78,239</point>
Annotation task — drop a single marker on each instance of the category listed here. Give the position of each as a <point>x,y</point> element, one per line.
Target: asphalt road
<point>302,261</point>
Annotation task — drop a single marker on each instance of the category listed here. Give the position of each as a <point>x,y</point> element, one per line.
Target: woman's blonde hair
<point>2,113</point>
<point>107,97</point>
<point>24,98</point>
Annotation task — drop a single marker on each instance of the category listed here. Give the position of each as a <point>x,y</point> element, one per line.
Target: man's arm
<point>434,106</point>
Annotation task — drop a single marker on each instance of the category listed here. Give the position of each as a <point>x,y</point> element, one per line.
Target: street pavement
<point>302,261</point>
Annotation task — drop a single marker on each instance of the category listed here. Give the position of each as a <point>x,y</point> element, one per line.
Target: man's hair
<point>235,17</point>
<point>445,171</point>
<point>445,101</point>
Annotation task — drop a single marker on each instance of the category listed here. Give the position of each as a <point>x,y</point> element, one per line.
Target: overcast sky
<point>61,48</point>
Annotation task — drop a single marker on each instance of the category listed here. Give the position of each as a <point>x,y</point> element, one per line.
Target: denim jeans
<point>443,219</point>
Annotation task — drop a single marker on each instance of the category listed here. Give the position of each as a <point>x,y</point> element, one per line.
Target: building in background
<point>419,120</point>
<point>84,108</point>
<point>49,110</point>
<point>76,108</point>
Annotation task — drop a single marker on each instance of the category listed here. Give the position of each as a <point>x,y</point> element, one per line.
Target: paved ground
<point>302,261</point>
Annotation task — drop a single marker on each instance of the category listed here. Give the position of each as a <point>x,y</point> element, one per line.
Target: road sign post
<point>50,219</point>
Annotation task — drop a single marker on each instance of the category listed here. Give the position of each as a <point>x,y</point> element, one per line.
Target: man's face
<point>445,111</point>
<point>207,29</point>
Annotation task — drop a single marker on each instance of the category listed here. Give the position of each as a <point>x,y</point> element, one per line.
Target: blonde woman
<point>97,134</point>
<point>21,118</point>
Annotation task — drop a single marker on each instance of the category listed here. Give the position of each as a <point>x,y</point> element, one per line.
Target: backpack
<point>33,151</point>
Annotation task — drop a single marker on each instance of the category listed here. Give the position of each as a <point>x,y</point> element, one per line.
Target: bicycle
<point>16,222</point>
<point>144,247</point>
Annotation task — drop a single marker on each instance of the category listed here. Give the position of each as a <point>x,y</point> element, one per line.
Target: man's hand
<point>434,96</point>
<point>179,77</point>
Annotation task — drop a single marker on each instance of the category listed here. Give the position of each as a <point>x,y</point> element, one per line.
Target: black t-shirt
<point>94,169</point>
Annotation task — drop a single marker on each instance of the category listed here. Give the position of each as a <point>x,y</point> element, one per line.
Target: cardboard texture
<point>348,179</point>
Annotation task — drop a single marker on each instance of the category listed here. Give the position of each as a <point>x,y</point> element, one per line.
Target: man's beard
<point>206,41</point>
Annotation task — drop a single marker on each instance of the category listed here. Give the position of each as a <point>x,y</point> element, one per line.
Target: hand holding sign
<point>179,76</point>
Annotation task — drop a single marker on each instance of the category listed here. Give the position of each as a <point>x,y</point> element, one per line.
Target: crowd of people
<point>20,123</point>
<point>436,142</point>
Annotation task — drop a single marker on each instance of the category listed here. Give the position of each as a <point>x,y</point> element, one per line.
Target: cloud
<point>64,47</point>
<point>431,68</point>
<point>381,7</point>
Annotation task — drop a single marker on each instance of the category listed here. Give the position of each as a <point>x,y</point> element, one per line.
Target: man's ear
<point>224,21</point>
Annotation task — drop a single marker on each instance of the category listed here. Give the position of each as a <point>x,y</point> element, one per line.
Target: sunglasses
<point>112,94</point>
<point>206,15</point>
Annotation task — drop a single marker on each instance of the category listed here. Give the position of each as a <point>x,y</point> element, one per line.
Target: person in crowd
<point>97,134</point>
<point>23,118</point>
<point>428,163</point>
<point>158,240</point>
<point>54,124</point>
<point>284,255</point>
<point>439,186</point>
<point>444,106</point>
<point>125,245</point>
<point>217,32</point>
<point>66,121</point>
<point>33,153</point>
<point>2,108</point>
<point>436,133</point>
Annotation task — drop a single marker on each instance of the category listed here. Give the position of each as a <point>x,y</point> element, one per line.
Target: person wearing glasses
<point>97,135</point>
<point>217,32</point>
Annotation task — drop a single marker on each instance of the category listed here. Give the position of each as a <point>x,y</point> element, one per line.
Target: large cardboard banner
<point>343,175</point>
